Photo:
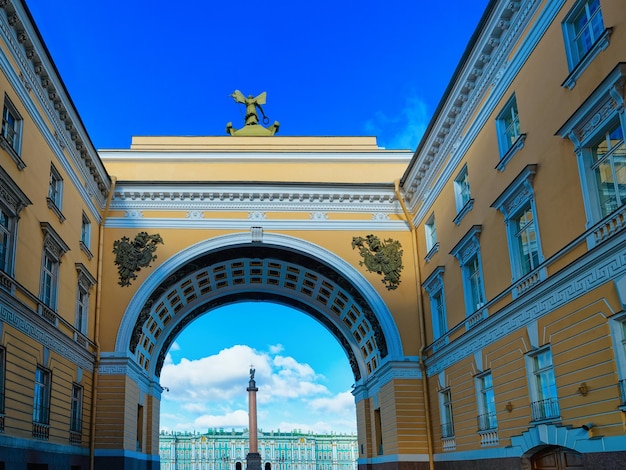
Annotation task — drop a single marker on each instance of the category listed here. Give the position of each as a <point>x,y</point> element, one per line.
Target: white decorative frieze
<point>256,216</point>
<point>195,215</point>
<point>132,214</point>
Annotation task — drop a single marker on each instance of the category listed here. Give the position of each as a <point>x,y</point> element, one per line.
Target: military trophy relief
<point>132,255</point>
<point>381,257</point>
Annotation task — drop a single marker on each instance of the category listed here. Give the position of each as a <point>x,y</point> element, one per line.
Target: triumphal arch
<point>309,222</point>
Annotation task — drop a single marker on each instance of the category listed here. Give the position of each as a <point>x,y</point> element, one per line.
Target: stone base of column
<point>253,461</point>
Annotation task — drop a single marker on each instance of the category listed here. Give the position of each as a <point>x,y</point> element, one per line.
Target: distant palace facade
<point>226,450</point>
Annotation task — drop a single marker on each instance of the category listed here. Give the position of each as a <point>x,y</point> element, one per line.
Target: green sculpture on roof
<point>251,120</point>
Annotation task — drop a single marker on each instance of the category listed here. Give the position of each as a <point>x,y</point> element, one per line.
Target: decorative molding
<point>601,44</point>
<point>51,339</point>
<point>195,215</point>
<point>606,262</point>
<point>11,194</point>
<point>256,215</point>
<point>318,216</point>
<point>246,224</point>
<point>516,147</point>
<point>133,214</point>
<point>468,245</point>
<point>517,193</point>
<point>85,278</point>
<point>37,75</point>
<point>464,210</point>
<point>52,241</point>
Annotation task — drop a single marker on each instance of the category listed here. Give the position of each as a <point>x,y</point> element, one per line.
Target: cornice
<point>250,156</point>
<point>605,263</point>
<point>467,108</point>
<point>232,197</point>
<point>39,76</point>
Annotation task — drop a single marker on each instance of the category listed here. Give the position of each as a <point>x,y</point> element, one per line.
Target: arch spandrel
<point>280,269</point>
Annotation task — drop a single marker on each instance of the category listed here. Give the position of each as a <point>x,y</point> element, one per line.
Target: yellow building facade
<point>476,285</point>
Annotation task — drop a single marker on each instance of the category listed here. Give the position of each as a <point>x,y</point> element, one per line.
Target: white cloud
<point>276,349</point>
<point>235,419</point>
<point>340,404</point>
<point>211,392</point>
<point>401,131</point>
<point>175,346</point>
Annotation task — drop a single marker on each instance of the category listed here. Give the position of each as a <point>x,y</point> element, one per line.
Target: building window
<point>517,204</point>
<point>598,140</point>
<point>82,309</point>
<point>543,395</point>
<point>11,126</point>
<point>487,419</point>
<point>49,280</point>
<point>445,404</point>
<point>507,125</point>
<point>55,193</point>
<point>41,403</point>
<point>12,201</point>
<point>2,384</point>
<point>618,333</point>
<point>585,36</point>
<point>467,252</point>
<point>432,245</point>
<point>76,412</point>
<point>510,138</point>
<point>434,287</point>
<point>6,239</point>
<point>85,232</point>
<point>85,282</point>
<point>463,198</point>
<point>54,249</point>
<point>608,164</point>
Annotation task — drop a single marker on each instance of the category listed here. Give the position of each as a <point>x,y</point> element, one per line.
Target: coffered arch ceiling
<point>278,269</point>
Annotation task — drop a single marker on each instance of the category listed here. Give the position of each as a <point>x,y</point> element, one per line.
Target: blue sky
<point>139,67</point>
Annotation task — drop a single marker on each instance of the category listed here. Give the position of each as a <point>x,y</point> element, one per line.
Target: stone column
<point>253,459</point>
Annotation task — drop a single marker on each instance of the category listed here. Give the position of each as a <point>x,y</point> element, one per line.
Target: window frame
<point>85,282</point>
<point>462,194</point>
<point>507,145</point>
<point>544,407</point>
<point>12,201</point>
<point>592,119</point>
<point>41,401</point>
<point>430,231</point>
<point>12,144</point>
<point>85,232</point>
<point>76,409</point>
<point>3,369</point>
<point>53,250</point>
<point>517,198</point>
<point>487,412</point>
<point>466,251</point>
<point>446,413</point>
<point>578,61</point>
<point>434,286</point>
<point>54,198</point>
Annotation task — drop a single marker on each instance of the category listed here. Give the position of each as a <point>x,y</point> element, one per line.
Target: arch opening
<point>205,277</point>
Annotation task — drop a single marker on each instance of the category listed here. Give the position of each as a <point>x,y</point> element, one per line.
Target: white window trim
<point>619,347</point>
<point>15,149</point>
<point>462,208</point>
<point>434,285</point>
<point>432,245</point>
<point>464,251</point>
<point>12,200</point>
<point>482,409</point>
<point>533,393</point>
<point>54,204</point>
<point>517,195</point>
<point>599,111</point>
<point>53,247</point>
<point>503,142</point>
<point>577,65</point>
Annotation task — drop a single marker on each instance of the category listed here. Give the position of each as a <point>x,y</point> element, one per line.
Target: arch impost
<point>407,369</point>
<point>115,364</point>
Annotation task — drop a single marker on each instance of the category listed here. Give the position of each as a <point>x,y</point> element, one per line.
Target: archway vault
<point>280,269</point>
